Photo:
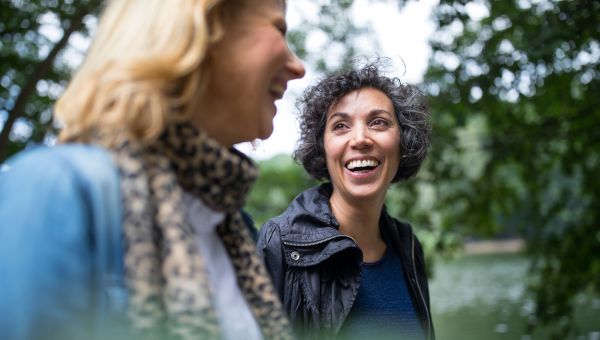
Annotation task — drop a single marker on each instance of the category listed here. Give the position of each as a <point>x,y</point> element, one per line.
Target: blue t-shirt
<point>383,308</point>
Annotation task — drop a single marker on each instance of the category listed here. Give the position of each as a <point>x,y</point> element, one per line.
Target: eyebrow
<point>342,115</point>
<point>371,113</point>
<point>378,111</point>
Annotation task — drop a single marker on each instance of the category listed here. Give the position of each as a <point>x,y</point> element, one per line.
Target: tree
<point>514,87</point>
<point>280,180</point>
<point>31,72</point>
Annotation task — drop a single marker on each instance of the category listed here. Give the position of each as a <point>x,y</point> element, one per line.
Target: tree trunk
<point>40,70</point>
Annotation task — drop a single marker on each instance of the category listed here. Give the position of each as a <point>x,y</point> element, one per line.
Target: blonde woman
<point>131,227</point>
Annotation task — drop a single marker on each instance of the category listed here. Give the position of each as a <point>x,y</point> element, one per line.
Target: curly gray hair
<point>409,105</point>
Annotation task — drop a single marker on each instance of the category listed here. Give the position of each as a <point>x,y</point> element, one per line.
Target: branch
<point>39,72</point>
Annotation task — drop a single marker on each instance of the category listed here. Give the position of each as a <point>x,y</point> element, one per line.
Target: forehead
<point>249,4</point>
<point>280,3</point>
<point>362,100</point>
<point>259,7</point>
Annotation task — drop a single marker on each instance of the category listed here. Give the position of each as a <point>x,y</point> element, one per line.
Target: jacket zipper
<point>327,239</point>
<point>293,244</point>
<point>419,288</point>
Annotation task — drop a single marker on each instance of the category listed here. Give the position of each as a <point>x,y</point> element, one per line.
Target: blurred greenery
<point>514,92</point>
<point>280,180</point>
<point>33,71</point>
<point>513,87</point>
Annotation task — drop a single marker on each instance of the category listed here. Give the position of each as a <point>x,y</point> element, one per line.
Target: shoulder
<point>275,224</point>
<point>401,234</point>
<point>308,210</point>
<point>395,228</point>
<point>61,161</point>
<point>61,193</point>
<point>59,213</point>
<point>270,231</point>
<point>47,178</point>
<point>84,160</point>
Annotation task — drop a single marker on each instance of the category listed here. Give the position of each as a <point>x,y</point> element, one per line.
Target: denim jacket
<point>61,261</point>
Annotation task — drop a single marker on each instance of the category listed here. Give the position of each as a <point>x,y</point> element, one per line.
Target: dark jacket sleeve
<point>250,224</point>
<point>420,259</point>
<point>271,251</point>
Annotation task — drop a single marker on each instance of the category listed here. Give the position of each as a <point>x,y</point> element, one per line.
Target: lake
<point>484,297</point>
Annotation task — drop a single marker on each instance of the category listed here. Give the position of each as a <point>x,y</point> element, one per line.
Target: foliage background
<point>515,102</point>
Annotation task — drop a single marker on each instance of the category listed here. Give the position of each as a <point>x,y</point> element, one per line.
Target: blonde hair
<point>143,68</point>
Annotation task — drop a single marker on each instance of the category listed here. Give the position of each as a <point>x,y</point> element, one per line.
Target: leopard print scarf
<point>165,273</point>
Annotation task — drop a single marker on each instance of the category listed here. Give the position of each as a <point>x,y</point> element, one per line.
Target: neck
<point>213,118</point>
<point>215,129</point>
<point>361,222</point>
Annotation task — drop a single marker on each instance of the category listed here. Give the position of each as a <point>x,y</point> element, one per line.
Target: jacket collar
<point>309,217</point>
<point>311,234</point>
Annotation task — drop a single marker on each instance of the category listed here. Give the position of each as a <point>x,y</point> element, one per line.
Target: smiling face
<point>362,145</point>
<point>248,70</point>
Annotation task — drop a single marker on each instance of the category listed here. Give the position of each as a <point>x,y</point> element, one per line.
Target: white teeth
<point>362,163</point>
<point>277,89</point>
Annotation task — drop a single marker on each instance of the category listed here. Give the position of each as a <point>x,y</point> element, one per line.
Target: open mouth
<point>363,165</point>
<point>277,90</point>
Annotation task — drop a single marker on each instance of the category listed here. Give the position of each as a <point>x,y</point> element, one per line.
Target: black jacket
<point>317,270</point>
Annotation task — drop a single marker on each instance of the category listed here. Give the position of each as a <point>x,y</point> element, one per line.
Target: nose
<point>360,138</point>
<point>294,66</point>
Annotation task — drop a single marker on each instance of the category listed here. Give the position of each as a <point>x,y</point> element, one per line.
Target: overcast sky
<point>403,37</point>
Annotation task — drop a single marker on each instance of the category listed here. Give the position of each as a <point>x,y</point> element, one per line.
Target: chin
<point>266,132</point>
<point>365,193</point>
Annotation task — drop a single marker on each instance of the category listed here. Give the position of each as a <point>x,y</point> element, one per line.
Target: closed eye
<point>281,27</point>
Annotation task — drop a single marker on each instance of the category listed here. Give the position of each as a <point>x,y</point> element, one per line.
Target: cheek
<point>280,51</point>
<point>329,153</point>
<point>329,146</point>
<point>394,154</point>
<point>278,46</point>
<point>269,53</point>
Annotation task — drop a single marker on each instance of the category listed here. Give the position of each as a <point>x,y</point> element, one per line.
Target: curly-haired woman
<point>342,266</point>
